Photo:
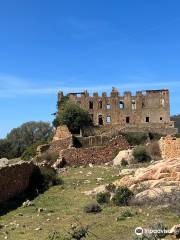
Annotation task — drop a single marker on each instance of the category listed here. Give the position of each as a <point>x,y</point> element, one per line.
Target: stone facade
<point>145,108</point>
<point>170,147</point>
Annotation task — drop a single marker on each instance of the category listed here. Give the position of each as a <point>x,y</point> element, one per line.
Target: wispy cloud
<point>11,86</point>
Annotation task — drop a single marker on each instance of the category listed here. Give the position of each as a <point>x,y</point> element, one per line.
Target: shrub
<point>154,136</point>
<point>136,138</point>
<point>92,208</point>
<point>78,232</point>
<point>111,188</point>
<point>140,154</point>
<point>103,197</point>
<point>125,215</point>
<point>49,177</point>
<point>122,196</point>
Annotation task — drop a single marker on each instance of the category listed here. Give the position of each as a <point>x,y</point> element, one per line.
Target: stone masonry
<point>146,108</point>
<point>170,147</point>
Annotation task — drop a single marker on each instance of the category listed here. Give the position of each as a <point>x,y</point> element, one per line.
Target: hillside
<point>176,118</point>
<point>63,205</point>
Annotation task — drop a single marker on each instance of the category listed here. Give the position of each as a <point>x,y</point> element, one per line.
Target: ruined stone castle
<point>146,110</point>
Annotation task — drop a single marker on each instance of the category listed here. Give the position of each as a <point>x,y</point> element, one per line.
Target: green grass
<point>65,203</point>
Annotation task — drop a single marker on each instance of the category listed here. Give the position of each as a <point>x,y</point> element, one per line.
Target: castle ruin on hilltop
<point>146,111</point>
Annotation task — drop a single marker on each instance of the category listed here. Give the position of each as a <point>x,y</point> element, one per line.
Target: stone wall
<point>62,139</point>
<point>116,129</point>
<point>170,147</point>
<point>62,132</point>
<point>15,179</point>
<point>95,155</point>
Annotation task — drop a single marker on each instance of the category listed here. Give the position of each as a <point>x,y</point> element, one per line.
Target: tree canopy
<point>74,117</point>
<point>24,136</point>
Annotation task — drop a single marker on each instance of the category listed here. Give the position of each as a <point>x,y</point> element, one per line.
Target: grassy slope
<point>68,201</point>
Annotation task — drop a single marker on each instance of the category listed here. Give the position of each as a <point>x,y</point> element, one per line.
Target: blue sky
<point>46,46</point>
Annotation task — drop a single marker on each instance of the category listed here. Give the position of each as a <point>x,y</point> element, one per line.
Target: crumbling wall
<point>15,179</point>
<point>170,147</point>
<point>95,155</point>
<point>62,139</point>
<point>62,132</point>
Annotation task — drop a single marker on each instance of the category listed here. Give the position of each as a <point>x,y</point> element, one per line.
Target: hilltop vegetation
<point>176,118</point>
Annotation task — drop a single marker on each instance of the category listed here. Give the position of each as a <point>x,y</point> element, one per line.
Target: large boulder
<point>160,180</point>
<point>124,155</point>
<point>3,162</point>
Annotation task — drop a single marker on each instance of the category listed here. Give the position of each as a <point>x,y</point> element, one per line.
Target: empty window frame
<point>121,105</point>
<point>127,119</point>
<point>133,103</point>
<point>161,118</point>
<point>108,119</point>
<point>90,104</point>
<point>147,119</point>
<point>108,106</point>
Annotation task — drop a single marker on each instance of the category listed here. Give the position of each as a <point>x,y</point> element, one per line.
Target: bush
<point>124,215</point>
<point>140,154</point>
<point>92,208</point>
<point>103,197</point>
<point>49,177</point>
<point>136,138</point>
<point>111,188</point>
<point>122,196</point>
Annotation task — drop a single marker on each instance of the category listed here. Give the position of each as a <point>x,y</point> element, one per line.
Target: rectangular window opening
<point>147,119</point>
<point>127,119</point>
<point>108,119</point>
<point>108,106</point>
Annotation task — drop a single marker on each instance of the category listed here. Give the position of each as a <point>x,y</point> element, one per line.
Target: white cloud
<point>11,86</point>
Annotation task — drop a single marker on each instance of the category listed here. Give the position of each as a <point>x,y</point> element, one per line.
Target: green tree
<point>19,139</point>
<point>5,149</point>
<point>74,117</point>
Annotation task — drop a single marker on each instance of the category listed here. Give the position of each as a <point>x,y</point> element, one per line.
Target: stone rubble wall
<point>95,155</point>
<point>62,132</point>
<point>15,179</point>
<point>170,147</point>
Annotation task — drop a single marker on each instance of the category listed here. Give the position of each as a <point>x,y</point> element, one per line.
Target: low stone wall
<point>15,179</point>
<point>164,129</point>
<point>170,147</point>
<point>95,155</point>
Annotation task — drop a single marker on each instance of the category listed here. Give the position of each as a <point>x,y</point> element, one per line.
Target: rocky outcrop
<point>159,179</point>
<point>15,179</point>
